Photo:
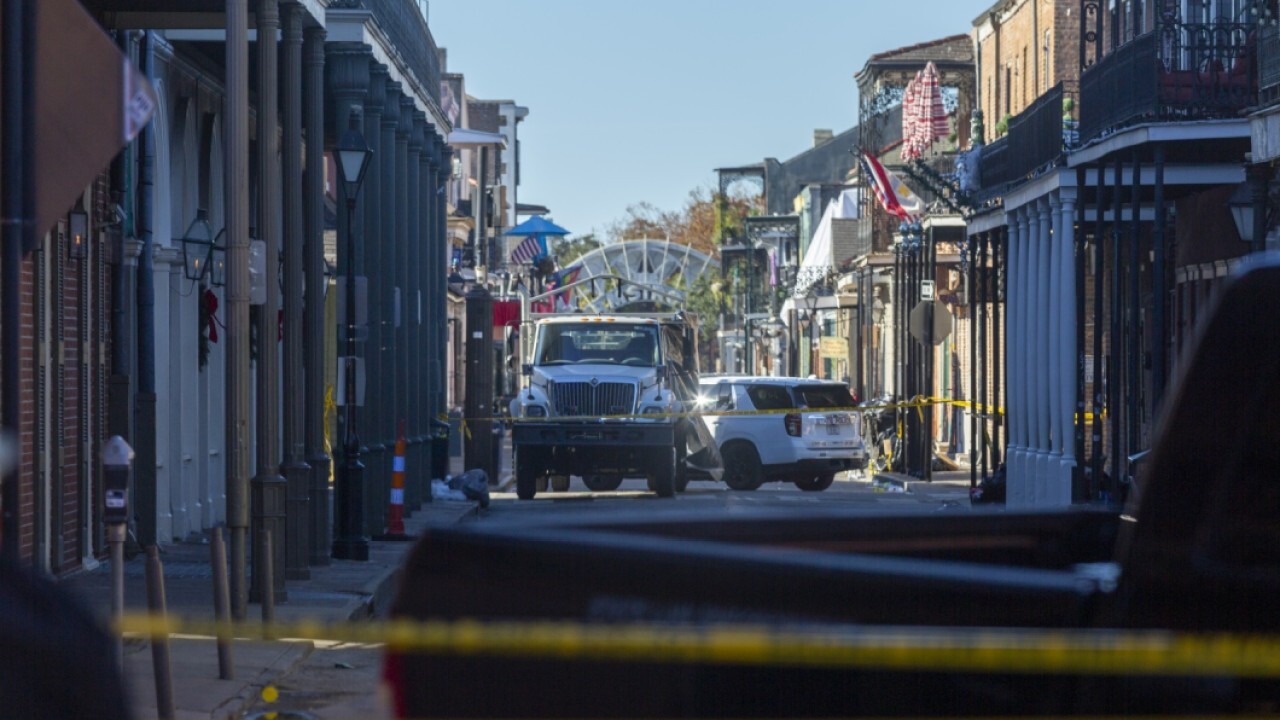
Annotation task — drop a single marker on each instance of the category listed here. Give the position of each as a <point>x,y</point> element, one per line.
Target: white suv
<point>790,442</point>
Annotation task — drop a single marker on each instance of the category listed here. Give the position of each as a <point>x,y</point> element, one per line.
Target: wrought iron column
<point>1099,289</point>
<point>378,432</point>
<point>440,338</point>
<point>982,313</point>
<point>1159,290</point>
<point>1133,338</point>
<point>389,383</point>
<point>269,488</point>
<point>236,198</point>
<point>975,406</point>
<point>1080,492</point>
<point>412,314</point>
<point>296,471</point>
<point>426,282</point>
<point>313,326</point>
<point>401,278</point>
<point>1114,352</point>
<point>999,295</point>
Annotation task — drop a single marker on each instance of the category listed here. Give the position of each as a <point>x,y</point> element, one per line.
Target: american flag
<point>527,250</point>
<point>894,195</point>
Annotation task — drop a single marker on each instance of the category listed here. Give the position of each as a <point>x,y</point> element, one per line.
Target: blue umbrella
<point>537,225</point>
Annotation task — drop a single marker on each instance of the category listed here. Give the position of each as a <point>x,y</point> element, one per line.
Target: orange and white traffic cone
<point>395,513</point>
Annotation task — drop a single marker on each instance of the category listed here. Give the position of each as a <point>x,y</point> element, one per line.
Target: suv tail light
<point>792,421</point>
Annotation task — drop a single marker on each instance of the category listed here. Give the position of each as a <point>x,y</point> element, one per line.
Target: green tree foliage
<point>567,250</point>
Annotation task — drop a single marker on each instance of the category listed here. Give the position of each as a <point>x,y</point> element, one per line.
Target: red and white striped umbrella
<point>932,123</point>
<point>910,122</point>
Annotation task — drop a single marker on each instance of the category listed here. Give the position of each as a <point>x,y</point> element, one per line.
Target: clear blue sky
<point>641,101</point>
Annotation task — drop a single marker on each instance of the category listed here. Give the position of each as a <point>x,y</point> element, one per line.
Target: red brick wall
<point>1017,45</point>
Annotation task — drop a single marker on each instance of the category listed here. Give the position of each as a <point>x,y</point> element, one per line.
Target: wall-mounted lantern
<point>197,246</point>
<point>78,235</point>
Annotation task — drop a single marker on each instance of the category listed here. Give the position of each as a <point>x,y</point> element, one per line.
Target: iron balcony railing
<point>404,25</point>
<point>1178,71</point>
<point>1035,135</point>
<point>1269,64</point>
<point>994,168</point>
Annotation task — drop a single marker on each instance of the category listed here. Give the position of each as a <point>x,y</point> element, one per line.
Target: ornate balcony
<point>404,25</point>
<point>1269,64</point>
<point>1178,71</point>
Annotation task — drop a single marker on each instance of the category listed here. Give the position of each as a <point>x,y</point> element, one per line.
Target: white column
<point>1041,319</point>
<point>1018,475</point>
<point>1013,450</point>
<point>1052,398</point>
<point>1067,348</point>
<point>1035,355</point>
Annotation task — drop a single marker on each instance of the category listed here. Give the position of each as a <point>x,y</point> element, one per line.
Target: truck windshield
<point>618,344</point>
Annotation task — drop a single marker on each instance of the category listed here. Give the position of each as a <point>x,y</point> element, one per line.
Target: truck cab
<point>604,399</point>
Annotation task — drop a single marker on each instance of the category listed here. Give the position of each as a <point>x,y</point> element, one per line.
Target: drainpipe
<point>145,399</point>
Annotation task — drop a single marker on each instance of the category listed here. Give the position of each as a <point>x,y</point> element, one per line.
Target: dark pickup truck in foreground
<point>1195,554</point>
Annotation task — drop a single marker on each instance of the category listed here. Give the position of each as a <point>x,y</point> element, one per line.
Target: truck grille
<point>581,398</point>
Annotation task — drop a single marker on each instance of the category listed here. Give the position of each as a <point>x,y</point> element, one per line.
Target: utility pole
<point>236,197</point>
<point>269,488</point>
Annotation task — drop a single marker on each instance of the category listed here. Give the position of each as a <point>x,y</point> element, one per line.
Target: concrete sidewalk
<point>943,480</point>
<point>342,591</point>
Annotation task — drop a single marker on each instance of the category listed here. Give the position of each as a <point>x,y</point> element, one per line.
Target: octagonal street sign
<point>919,321</point>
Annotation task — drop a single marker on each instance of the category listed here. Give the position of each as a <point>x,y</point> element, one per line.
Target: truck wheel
<point>526,479</point>
<point>817,483</point>
<point>742,469</point>
<point>560,483</point>
<point>602,483</point>
<point>682,470</point>
<point>663,480</point>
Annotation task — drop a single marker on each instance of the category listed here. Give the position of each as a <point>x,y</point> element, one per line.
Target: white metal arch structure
<point>665,266</point>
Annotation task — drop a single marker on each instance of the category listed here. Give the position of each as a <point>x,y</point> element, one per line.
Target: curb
<point>381,589</point>
<point>247,696</point>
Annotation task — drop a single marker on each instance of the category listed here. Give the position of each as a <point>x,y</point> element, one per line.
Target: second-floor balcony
<point>1179,71</point>
<point>406,28</point>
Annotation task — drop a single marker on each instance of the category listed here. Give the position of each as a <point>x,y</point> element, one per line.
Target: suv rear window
<point>770,397</point>
<point>824,396</point>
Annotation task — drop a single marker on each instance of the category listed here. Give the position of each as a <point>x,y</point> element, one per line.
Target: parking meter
<point>117,459</point>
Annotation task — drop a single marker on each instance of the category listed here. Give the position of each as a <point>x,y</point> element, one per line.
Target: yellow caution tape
<point>978,650</point>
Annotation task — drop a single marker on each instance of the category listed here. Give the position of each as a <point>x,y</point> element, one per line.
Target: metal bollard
<point>268,587</point>
<point>222,605</point>
<point>159,645</point>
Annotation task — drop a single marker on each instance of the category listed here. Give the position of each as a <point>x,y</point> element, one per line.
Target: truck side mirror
<point>661,371</point>
<point>526,369</point>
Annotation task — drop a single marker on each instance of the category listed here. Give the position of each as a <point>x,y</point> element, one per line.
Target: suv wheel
<point>742,469</point>
<point>817,483</point>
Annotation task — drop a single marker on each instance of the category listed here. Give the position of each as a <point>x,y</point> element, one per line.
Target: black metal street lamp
<point>197,246</point>
<point>352,158</point>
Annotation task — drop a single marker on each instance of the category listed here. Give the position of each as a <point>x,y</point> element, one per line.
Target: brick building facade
<point>1025,47</point>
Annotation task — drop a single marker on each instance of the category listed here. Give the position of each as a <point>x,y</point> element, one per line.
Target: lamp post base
<point>351,543</point>
<point>351,550</point>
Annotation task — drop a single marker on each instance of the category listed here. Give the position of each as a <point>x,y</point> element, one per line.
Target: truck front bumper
<point>593,434</point>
